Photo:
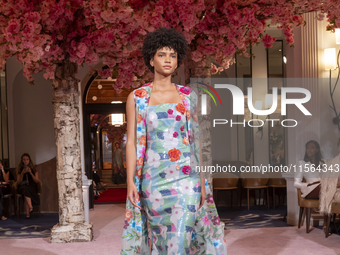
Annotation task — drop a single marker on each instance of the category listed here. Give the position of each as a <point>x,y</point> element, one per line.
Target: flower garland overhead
<point>43,34</point>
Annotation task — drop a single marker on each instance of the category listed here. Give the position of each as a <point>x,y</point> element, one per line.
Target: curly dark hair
<point>164,37</point>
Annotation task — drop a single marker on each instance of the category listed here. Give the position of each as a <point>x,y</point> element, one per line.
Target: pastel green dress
<point>170,190</point>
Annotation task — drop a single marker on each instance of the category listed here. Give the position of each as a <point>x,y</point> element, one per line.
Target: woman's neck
<point>312,159</point>
<point>161,82</point>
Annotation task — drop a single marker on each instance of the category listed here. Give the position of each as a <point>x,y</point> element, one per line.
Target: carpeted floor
<point>112,196</point>
<point>256,217</point>
<point>36,227</point>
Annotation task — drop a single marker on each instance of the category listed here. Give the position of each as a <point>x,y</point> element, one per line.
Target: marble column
<point>305,58</point>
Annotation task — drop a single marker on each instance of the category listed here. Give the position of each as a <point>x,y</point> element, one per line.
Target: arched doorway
<point>101,106</point>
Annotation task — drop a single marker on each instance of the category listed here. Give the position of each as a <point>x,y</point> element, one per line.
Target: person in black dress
<point>27,180</point>
<point>4,187</point>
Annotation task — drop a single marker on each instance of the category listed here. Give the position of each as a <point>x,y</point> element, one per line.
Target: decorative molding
<point>309,41</point>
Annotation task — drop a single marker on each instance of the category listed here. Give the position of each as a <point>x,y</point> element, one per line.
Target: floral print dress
<point>170,190</point>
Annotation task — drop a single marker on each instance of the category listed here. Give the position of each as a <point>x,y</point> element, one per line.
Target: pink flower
<point>206,220</point>
<point>213,69</point>
<point>182,128</point>
<point>178,117</point>
<point>170,111</point>
<point>290,39</point>
<point>175,134</point>
<point>216,220</point>
<point>210,199</point>
<point>268,41</point>
<point>13,26</point>
<point>81,50</point>
<point>196,56</point>
<point>186,169</point>
<point>185,89</point>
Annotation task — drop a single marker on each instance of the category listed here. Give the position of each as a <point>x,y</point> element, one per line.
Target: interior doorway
<point>104,116</point>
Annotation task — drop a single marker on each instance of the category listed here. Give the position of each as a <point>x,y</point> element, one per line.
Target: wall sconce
<point>332,63</point>
<point>285,59</point>
<point>337,35</point>
<point>330,59</point>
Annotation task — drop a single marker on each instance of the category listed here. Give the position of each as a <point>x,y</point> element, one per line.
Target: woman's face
<point>117,145</point>
<point>311,150</point>
<point>164,61</point>
<point>25,160</point>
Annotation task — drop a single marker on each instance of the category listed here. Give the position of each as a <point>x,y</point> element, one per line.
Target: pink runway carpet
<point>108,220</point>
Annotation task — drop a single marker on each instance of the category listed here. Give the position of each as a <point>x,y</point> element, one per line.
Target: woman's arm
<point>203,191</point>
<point>34,176</point>
<point>299,176</point>
<point>6,176</point>
<point>20,176</point>
<point>131,154</point>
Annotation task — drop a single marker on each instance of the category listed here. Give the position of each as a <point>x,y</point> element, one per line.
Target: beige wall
<point>30,108</point>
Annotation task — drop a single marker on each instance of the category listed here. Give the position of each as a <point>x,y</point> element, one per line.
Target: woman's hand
<point>203,195</point>
<point>29,170</point>
<point>133,195</point>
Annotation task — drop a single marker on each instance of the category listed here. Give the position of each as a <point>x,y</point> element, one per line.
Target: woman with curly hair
<point>27,183</point>
<point>169,207</point>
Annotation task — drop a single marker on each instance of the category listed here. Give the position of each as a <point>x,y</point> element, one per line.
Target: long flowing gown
<point>171,191</point>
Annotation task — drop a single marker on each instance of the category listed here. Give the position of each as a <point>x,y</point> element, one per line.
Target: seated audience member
<point>4,187</point>
<point>97,184</point>
<point>100,185</point>
<point>27,181</point>
<point>312,159</point>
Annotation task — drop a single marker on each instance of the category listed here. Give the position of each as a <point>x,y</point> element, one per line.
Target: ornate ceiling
<point>101,91</point>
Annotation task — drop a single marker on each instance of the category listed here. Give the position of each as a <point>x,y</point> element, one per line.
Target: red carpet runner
<point>112,196</point>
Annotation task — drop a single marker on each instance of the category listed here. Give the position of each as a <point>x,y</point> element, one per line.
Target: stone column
<point>72,226</point>
<point>305,58</point>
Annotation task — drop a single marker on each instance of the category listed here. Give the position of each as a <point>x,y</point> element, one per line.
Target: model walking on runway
<point>170,208</point>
